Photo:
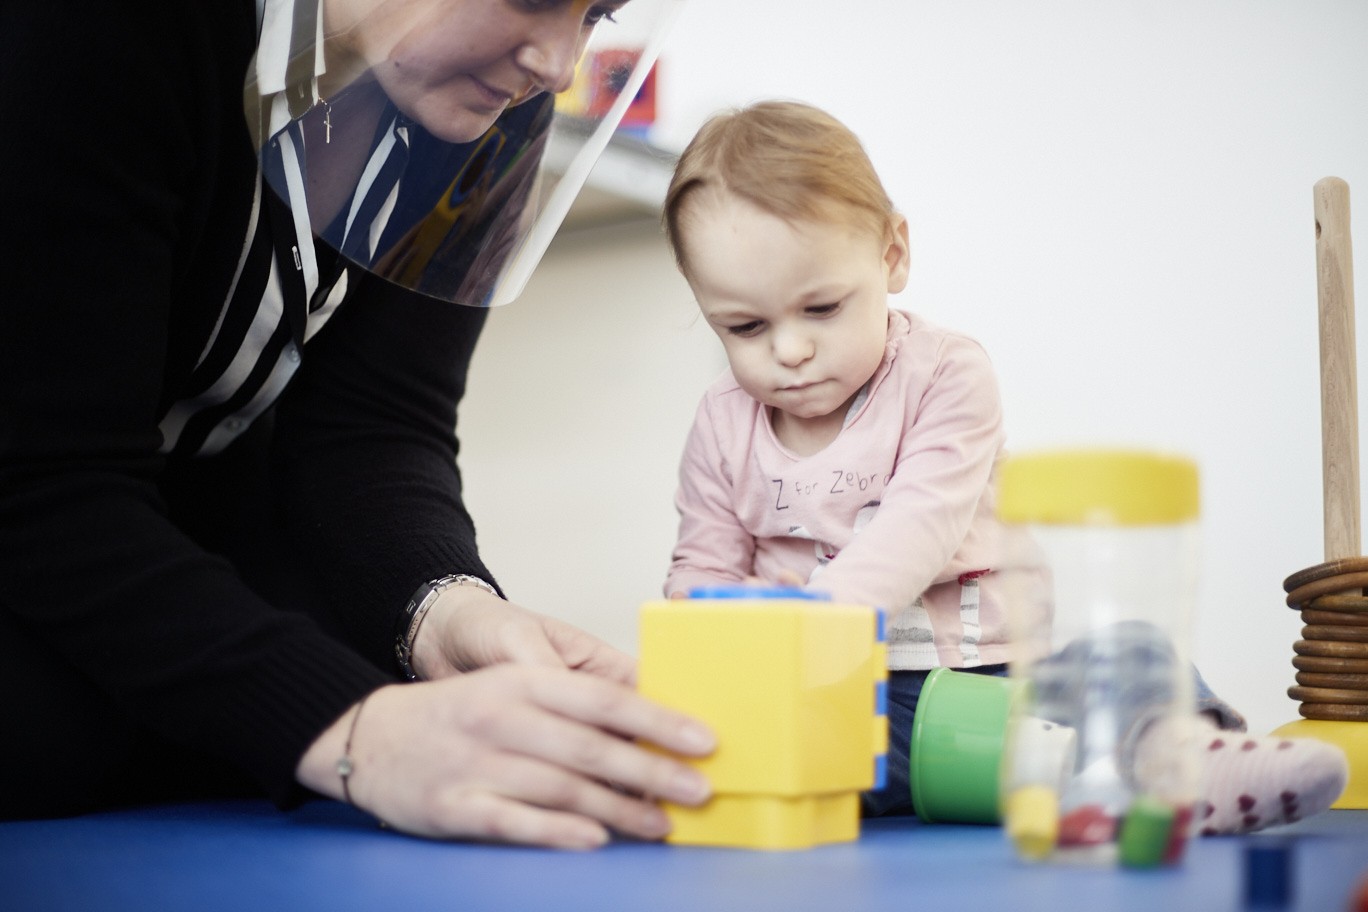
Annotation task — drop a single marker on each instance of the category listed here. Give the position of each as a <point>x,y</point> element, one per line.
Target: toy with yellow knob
<point>1332,654</point>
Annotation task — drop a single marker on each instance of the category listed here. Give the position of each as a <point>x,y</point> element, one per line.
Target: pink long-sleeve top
<point>896,512</point>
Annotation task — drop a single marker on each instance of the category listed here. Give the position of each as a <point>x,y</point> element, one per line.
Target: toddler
<point>852,447</point>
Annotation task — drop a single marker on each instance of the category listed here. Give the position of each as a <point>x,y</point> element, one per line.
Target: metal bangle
<point>417,609</point>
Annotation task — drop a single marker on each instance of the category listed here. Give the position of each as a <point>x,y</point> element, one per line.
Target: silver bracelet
<point>345,764</point>
<point>417,609</point>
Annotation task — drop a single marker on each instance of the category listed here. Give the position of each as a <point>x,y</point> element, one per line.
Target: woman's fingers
<point>585,749</point>
<point>583,651</point>
<point>482,813</point>
<point>520,753</point>
<point>560,795</point>
<point>468,628</point>
<point>611,706</point>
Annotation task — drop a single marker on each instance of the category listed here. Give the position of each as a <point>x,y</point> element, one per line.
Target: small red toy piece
<point>1087,825</point>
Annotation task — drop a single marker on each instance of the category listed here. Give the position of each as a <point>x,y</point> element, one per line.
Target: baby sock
<point>1244,782</point>
<point>1247,783</point>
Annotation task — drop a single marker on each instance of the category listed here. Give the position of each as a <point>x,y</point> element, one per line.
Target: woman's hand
<point>517,753</point>
<point>468,628</point>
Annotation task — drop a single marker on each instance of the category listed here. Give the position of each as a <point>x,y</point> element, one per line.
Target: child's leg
<point>895,798</point>
<point>1245,782</point>
<point>904,690</point>
<point>1248,783</point>
<point>1221,713</point>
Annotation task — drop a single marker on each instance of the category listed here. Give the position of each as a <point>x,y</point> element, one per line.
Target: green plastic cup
<point>958,735</point>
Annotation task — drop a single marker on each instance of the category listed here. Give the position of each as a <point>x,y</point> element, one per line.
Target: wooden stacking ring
<point>1339,602</point>
<point>1340,681</point>
<point>1325,633</point>
<point>1321,571</point>
<point>1344,618</point>
<point>1334,712</point>
<point>1330,665</point>
<point>1345,582</point>
<point>1328,695</point>
<point>1334,650</point>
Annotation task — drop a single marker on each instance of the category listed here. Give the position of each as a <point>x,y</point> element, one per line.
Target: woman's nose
<point>551,51</point>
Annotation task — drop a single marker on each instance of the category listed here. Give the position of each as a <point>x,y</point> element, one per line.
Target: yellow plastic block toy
<point>795,689</point>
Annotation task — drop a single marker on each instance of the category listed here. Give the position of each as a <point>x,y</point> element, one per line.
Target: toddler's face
<point>801,307</point>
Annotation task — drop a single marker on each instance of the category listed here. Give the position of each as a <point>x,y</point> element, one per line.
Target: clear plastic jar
<point>1098,765</point>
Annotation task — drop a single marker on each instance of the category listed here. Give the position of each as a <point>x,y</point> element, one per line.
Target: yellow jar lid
<point>1097,487</point>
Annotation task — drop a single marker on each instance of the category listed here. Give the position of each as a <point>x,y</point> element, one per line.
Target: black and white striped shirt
<point>286,285</point>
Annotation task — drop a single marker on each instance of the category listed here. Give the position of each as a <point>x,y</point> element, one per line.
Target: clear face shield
<point>411,136</point>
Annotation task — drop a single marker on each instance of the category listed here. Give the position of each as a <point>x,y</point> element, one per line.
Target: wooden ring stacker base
<point>1333,618</point>
<point>1338,681</point>
<point>1321,571</point>
<point>1333,712</point>
<point>1324,633</point>
<point>1334,650</point>
<point>1338,602</point>
<point>1345,582</point>
<point>1328,695</point>
<point>1330,664</point>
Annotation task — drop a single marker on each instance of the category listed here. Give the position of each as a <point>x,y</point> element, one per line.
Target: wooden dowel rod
<point>1339,376</point>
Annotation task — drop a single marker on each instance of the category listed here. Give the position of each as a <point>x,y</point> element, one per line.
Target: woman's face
<point>456,65</point>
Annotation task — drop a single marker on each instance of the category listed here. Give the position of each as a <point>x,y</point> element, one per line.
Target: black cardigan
<point>126,178</point>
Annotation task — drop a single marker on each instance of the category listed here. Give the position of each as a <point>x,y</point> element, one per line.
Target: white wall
<point>1114,197</point>
<point>580,397</point>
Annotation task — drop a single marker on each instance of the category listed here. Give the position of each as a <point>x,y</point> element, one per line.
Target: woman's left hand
<point>468,628</point>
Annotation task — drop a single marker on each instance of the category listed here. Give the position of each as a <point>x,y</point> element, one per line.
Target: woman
<point>230,516</point>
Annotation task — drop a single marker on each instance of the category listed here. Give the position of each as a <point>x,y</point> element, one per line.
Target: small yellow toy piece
<point>1032,817</point>
<point>794,688</point>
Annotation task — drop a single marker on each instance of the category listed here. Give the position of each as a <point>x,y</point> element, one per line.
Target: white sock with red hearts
<point>1247,783</point>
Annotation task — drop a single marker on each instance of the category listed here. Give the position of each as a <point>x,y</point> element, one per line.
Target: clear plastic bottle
<point>1117,533</point>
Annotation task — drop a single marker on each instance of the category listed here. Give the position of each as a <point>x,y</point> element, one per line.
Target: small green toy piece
<point>1145,833</point>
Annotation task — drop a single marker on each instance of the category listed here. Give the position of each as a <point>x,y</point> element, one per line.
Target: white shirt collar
<point>275,19</point>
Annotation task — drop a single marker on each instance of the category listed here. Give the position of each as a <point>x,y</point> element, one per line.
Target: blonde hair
<point>789,159</point>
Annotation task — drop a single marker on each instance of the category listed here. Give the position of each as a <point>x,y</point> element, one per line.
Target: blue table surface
<point>247,855</point>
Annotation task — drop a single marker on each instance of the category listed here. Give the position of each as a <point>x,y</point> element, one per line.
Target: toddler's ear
<point>897,258</point>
